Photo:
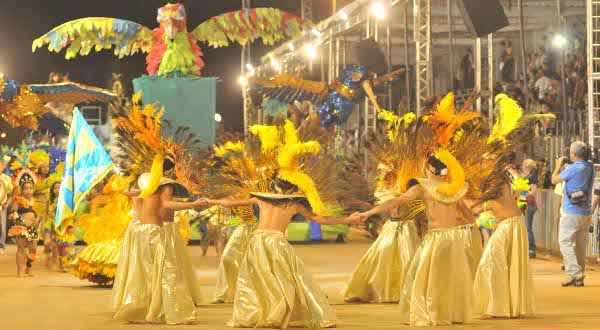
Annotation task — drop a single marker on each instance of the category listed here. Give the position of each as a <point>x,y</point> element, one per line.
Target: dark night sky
<point>23,20</point>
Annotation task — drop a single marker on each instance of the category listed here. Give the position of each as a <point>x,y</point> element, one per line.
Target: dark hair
<point>53,196</point>
<point>411,183</point>
<point>437,165</point>
<point>168,165</point>
<point>24,210</point>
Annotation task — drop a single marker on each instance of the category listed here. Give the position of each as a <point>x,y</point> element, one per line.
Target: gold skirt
<point>380,273</point>
<point>476,247</point>
<point>439,285</point>
<point>155,281</point>
<point>274,290</point>
<point>503,285</point>
<point>97,262</point>
<point>229,266</point>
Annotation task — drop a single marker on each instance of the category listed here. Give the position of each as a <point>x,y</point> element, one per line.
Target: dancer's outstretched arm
<point>415,192</point>
<point>166,199</point>
<point>225,202</point>
<point>307,214</point>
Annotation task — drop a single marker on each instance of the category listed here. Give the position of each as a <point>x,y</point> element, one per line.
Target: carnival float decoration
<point>174,60</point>
<point>335,101</point>
<point>21,105</point>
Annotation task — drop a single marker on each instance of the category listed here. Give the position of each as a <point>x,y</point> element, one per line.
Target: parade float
<point>174,59</point>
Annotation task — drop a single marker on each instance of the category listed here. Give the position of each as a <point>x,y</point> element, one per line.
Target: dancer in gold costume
<point>284,178</point>
<point>503,284</point>
<point>231,260</point>
<point>439,284</point>
<point>155,281</point>
<point>379,275</point>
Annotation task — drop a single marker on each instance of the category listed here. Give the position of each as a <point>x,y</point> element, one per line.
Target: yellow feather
<point>156,174</point>
<point>268,135</point>
<point>509,114</point>
<point>456,174</point>
<point>445,109</point>
<point>291,136</point>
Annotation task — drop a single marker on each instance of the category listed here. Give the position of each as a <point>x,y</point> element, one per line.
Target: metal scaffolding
<point>307,9</point>
<point>593,72</point>
<point>434,28</point>
<point>422,29</point>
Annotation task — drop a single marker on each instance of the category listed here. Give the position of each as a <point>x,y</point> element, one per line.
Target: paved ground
<point>59,301</point>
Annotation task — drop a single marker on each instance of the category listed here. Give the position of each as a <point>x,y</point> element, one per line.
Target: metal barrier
<point>546,224</point>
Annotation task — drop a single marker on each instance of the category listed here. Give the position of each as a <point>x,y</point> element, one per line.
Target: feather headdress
<point>278,161</point>
<point>147,143</point>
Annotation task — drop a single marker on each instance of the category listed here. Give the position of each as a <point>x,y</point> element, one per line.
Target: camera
<point>565,161</point>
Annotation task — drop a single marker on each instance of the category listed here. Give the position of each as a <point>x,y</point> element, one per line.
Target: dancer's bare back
<point>445,215</point>
<point>505,206</point>
<point>274,217</point>
<point>153,209</point>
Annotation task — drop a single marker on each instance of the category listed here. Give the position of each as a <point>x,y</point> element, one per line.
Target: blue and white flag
<point>87,164</point>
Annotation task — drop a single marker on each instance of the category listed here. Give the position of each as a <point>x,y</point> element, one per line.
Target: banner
<point>87,164</point>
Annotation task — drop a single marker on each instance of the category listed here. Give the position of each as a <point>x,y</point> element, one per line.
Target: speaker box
<point>482,17</point>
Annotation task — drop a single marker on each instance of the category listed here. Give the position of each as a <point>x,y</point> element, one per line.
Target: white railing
<point>546,224</point>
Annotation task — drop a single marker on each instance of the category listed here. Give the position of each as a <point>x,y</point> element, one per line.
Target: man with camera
<point>576,214</point>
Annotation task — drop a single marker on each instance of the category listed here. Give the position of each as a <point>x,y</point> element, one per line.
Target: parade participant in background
<point>104,227</point>
<point>6,188</point>
<point>237,244</point>
<point>503,285</point>
<point>25,223</point>
<point>529,172</point>
<point>51,240</point>
<point>231,259</point>
<point>155,281</point>
<point>283,177</point>
<point>379,275</point>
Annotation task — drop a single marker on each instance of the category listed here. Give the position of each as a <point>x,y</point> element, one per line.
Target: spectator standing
<point>529,171</point>
<point>576,212</point>
<point>507,63</point>
<point>468,71</point>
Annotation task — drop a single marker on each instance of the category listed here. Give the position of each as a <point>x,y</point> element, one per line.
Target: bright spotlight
<point>378,10</point>
<point>218,117</point>
<point>316,33</point>
<point>343,15</point>
<point>559,41</point>
<point>251,69</point>
<point>243,81</point>
<point>291,47</point>
<point>275,64</point>
<point>311,51</point>
<point>3,135</point>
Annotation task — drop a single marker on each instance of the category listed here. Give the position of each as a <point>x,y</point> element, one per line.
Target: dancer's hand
<point>356,218</point>
<point>201,202</point>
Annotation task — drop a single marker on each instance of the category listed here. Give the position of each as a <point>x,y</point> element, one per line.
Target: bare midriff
<point>150,210</point>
